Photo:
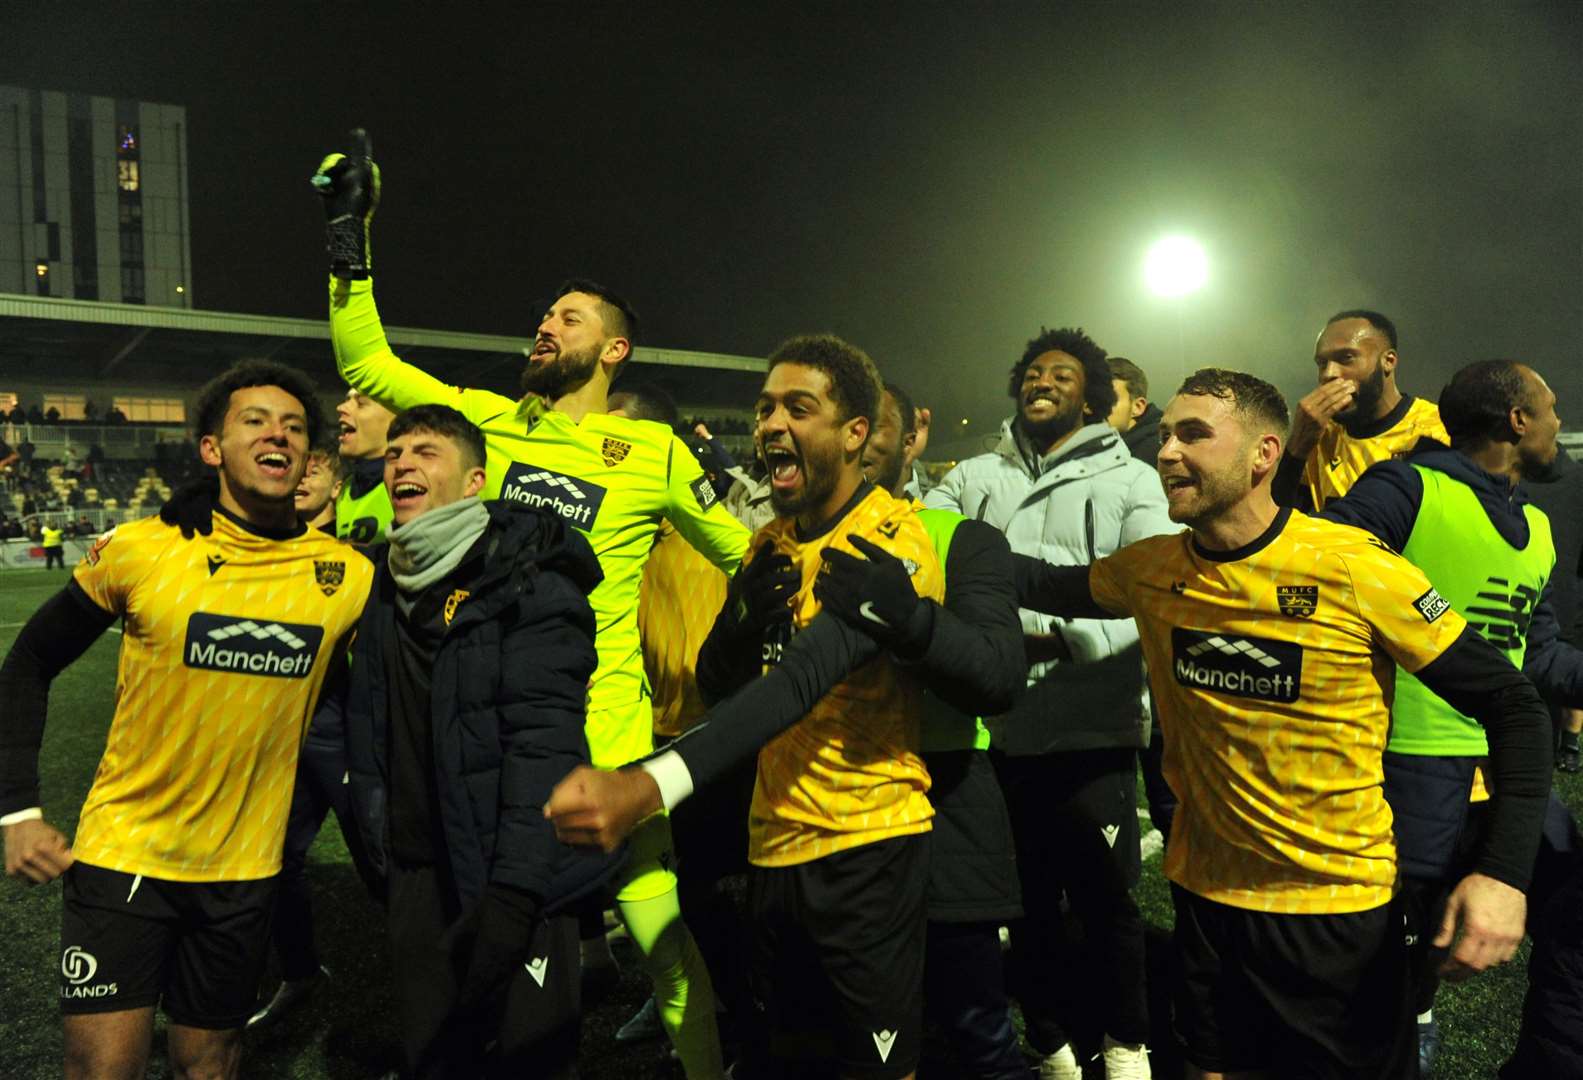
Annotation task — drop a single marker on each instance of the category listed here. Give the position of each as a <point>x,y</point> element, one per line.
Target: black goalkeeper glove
<point>875,595</point>
<point>349,185</point>
<point>191,506</point>
<point>761,592</point>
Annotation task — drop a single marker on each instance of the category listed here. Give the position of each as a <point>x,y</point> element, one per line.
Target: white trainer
<point>1061,1065</point>
<point>1125,1061</point>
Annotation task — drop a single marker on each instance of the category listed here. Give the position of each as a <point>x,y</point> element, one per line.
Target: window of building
<point>8,400</point>
<point>41,276</point>
<point>127,143</point>
<point>70,405</point>
<point>159,410</point>
<point>126,175</point>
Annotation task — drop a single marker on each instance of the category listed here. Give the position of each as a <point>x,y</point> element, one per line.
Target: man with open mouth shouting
<point>613,478</point>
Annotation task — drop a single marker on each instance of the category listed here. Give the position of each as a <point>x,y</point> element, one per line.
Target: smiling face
<point>317,488</point>
<point>1209,459</point>
<point>1050,399</point>
<point>364,422</point>
<point>261,452</point>
<point>425,470</point>
<point>569,346</point>
<point>811,453</point>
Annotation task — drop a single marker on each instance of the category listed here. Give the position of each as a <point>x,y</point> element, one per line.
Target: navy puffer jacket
<point>509,685</point>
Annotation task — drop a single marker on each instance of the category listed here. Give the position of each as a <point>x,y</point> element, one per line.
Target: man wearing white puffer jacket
<point>1063,487</point>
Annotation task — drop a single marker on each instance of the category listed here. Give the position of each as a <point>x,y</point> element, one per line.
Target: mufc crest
<point>614,451</point>
<point>329,576</point>
<point>1298,600</point>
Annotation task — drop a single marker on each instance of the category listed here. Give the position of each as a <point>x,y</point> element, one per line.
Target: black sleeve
<point>1553,666</point>
<point>816,659</point>
<point>1477,680</point>
<point>58,633</point>
<point>1287,487</point>
<point>728,659</point>
<point>1056,590</point>
<point>974,661</point>
<point>1384,501</point>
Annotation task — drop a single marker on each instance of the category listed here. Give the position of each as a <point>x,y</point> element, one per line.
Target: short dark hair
<point>648,402</point>
<point>331,454</point>
<point>1098,394</point>
<point>909,415</point>
<point>1476,405</point>
<point>618,316</point>
<point>214,400</point>
<point>1250,395</point>
<point>854,380</point>
<point>1131,374</point>
<point>1373,318</point>
<point>446,421</point>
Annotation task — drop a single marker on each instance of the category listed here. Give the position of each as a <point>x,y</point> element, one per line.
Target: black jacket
<point>1560,494</point>
<point>1144,438</point>
<point>508,690</point>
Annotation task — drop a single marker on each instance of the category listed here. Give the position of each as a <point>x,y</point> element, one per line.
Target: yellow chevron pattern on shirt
<point>226,643</point>
<point>1338,459</point>
<point>1271,676</point>
<point>850,772</point>
<point>680,595</point>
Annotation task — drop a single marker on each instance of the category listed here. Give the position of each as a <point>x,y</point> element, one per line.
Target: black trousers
<point>293,924</point>
<point>54,557</point>
<point>964,997</point>
<point>1074,817</point>
<point>532,1021</point>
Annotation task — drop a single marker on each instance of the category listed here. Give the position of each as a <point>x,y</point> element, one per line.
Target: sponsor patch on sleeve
<point>704,492</point>
<point>1432,605</point>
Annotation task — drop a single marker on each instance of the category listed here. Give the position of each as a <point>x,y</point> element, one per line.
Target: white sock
<point>1426,1016</point>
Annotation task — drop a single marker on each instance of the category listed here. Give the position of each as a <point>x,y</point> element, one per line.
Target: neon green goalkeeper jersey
<point>613,478</point>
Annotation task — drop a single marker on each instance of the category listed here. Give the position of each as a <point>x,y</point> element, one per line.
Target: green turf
<point>350,1030</point>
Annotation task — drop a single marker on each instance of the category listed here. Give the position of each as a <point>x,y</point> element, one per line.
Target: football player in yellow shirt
<point>1272,639</point>
<point>227,638</point>
<point>1355,417</point>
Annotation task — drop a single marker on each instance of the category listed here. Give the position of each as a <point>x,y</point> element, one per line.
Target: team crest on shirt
<point>1299,601</point>
<point>614,451</point>
<point>329,576</point>
<point>453,602</point>
<point>92,558</point>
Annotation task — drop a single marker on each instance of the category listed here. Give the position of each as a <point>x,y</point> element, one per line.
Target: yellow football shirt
<point>612,477</point>
<point>225,644</point>
<point>1271,673</point>
<point>678,599</point>
<point>1339,459</point>
<point>849,773</point>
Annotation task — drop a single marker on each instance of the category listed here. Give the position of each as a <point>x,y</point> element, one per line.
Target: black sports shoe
<point>1569,758</point>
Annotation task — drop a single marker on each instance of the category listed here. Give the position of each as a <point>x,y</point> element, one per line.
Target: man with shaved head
<point>1355,417</point>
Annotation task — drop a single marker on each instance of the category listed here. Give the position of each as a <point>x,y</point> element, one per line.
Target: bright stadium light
<point>1176,266</point>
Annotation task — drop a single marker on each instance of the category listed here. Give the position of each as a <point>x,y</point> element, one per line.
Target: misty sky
<point>934,183</point>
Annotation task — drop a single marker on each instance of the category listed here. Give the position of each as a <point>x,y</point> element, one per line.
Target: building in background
<point>93,198</point>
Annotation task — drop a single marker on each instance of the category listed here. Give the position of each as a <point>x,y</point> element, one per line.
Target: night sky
<point>934,183</point>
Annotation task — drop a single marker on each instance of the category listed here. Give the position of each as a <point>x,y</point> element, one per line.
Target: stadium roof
<point>91,341</point>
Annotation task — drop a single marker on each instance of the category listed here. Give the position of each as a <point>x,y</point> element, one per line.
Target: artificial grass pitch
<point>349,1028</point>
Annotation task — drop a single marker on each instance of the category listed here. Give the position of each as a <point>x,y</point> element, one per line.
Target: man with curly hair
<point>1063,486</point>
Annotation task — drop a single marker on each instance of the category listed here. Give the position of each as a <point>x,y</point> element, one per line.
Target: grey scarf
<point>432,544</point>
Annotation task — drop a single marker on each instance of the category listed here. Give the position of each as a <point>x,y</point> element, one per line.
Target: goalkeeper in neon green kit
<point>611,477</point>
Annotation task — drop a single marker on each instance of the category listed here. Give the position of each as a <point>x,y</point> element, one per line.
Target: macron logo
<point>883,1041</point>
<point>1110,832</point>
<point>538,967</point>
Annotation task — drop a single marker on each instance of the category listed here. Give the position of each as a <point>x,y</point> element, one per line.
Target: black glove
<point>506,918</point>
<point>191,506</point>
<point>875,595</point>
<point>349,185</point>
<point>761,592</point>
